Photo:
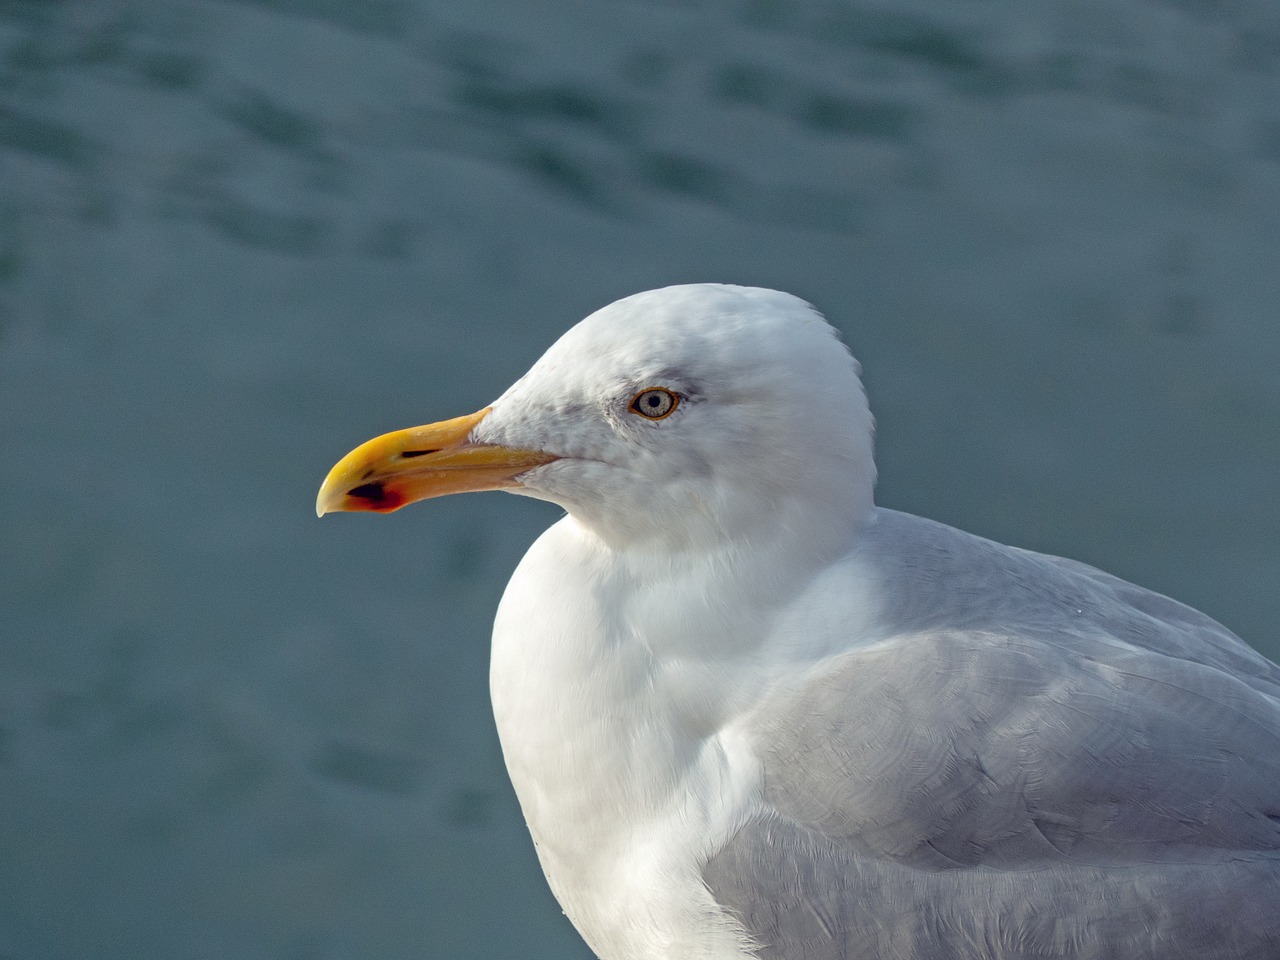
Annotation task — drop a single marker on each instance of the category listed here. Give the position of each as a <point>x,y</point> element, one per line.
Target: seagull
<point>749,715</point>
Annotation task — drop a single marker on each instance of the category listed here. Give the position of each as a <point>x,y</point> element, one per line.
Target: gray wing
<point>1088,771</point>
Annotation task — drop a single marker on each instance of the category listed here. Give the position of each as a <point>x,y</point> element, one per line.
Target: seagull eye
<point>654,403</point>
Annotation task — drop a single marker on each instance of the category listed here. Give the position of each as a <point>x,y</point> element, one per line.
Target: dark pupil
<point>654,401</point>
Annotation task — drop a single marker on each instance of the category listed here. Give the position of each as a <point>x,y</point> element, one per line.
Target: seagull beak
<point>400,468</point>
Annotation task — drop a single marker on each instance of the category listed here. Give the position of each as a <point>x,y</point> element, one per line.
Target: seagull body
<point>748,714</point>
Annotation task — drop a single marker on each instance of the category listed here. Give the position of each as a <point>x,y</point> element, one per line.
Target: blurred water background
<point>237,238</point>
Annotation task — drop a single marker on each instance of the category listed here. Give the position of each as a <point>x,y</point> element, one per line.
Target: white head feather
<point>772,437</point>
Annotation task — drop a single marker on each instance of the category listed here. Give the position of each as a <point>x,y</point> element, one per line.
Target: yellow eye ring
<point>654,403</point>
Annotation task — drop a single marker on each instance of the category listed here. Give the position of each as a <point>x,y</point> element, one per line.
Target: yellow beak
<point>400,468</point>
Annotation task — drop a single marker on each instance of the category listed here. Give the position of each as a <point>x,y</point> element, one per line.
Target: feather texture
<point>1079,768</point>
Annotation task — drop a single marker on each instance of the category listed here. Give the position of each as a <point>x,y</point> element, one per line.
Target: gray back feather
<point>1041,761</point>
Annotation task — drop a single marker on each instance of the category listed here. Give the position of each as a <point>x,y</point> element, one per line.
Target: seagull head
<point>694,414</point>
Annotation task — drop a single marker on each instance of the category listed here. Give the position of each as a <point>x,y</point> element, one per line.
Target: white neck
<point>610,701</point>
